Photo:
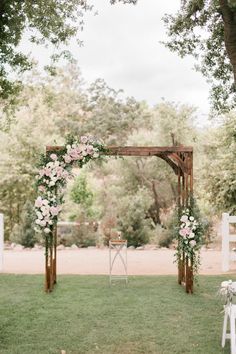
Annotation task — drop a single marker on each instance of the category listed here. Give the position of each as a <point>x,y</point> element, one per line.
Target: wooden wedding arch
<point>180,159</point>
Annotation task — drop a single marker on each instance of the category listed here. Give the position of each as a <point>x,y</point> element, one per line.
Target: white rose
<point>191,218</point>
<point>184,218</point>
<point>47,230</point>
<point>192,243</point>
<point>39,215</point>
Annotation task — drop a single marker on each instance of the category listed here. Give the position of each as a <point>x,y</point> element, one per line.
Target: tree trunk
<point>229,18</point>
<point>156,203</point>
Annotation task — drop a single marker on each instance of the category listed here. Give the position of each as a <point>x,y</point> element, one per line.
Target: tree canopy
<point>206,29</point>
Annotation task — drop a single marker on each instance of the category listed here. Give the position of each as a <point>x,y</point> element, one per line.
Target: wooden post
<point>55,254</point>
<point>47,273</point>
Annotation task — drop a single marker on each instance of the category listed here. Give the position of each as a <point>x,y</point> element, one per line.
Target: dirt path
<point>95,261</point>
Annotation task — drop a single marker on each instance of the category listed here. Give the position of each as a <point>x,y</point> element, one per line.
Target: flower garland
<point>54,171</point>
<point>190,234</point>
<point>227,291</point>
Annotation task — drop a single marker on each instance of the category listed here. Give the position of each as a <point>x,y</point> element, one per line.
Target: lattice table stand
<point>118,250</point>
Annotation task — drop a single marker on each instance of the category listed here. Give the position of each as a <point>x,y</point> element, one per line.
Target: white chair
<point>230,314</point>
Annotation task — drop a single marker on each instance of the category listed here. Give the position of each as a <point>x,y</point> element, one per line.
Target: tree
<point>206,29</point>
<point>23,232</point>
<point>220,178</point>
<point>47,21</point>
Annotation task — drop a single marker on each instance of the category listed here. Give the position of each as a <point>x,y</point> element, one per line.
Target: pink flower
<point>185,231</point>
<point>74,154</point>
<point>42,188</point>
<point>54,210</point>
<point>59,171</point>
<point>38,202</point>
<point>53,157</point>
<point>90,149</point>
<point>65,174</point>
<point>84,139</point>
<point>41,173</point>
<point>47,171</point>
<point>67,158</point>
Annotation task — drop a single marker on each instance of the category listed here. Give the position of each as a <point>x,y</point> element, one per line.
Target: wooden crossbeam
<point>136,150</point>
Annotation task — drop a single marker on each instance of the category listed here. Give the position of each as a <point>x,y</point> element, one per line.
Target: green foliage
<point>220,178</point>
<point>81,236</point>
<point>47,21</point>
<point>80,194</point>
<point>24,233</point>
<point>133,221</point>
<point>169,231</point>
<point>198,29</point>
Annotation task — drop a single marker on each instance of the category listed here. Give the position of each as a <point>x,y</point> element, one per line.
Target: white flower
<point>191,218</point>
<point>184,218</point>
<point>192,235</point>
<point>53,157</point>
<point>39,215</point>
<point>37,221</point>
<point>42,223</point>
<point>192,243</point>
<point>47,230</point>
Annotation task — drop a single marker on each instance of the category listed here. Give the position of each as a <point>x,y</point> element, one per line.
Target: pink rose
<point>90,149</point>
<point>185,231</point>
<point>53,157</point>
<point>67,158</point>
<point>42,188</point>
<point>47,171</point>
<point>54,210</point>
<point>38,202</point>
<point>59,171</point>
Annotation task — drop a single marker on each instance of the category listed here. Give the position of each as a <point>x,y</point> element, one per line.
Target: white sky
<point>121,45</point>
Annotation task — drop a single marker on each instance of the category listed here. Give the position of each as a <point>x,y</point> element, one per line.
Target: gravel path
<point>96,261</point>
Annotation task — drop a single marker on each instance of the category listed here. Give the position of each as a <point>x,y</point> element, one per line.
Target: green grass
<point>84,315</point>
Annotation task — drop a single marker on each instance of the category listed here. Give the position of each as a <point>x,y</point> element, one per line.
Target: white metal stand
<point>118,250</point>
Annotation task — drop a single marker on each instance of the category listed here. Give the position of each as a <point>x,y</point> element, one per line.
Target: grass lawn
<point>84,315</point>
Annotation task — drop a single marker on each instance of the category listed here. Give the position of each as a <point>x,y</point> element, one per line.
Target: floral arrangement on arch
<point>54,170</point>
<point>190,233</point>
